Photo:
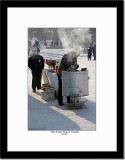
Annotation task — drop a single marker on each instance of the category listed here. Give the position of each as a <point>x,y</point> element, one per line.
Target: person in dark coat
<point>68,61</point>
<point>94,52</point>
<point>37,46</point>
<point>89,53</point>
<point>36,43</point>
<point>36,64</point>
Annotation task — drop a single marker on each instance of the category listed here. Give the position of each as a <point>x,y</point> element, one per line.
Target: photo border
<point>119,4</point>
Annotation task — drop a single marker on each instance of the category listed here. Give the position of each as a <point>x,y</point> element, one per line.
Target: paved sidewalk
<point>48,115</point>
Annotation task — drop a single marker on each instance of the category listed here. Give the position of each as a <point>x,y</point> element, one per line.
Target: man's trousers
<point>36,81</point>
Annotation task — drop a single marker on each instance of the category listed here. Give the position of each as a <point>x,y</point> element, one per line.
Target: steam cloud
<point>75,37</point>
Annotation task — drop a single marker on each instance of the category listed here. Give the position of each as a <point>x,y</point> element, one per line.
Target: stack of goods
<point>51,64</point>
<point>48,94</point>
<point>83,69</point>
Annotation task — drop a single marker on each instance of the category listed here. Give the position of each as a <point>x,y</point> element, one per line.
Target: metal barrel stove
<point>75,84</point>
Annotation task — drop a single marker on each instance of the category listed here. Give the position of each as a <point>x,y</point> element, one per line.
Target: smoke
<point>74,37</point>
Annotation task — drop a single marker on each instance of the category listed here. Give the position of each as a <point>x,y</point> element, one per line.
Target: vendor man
<point>36,64</point>
<point>69,61</point>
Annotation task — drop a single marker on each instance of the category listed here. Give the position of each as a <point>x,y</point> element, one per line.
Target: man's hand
<point>72,67</point>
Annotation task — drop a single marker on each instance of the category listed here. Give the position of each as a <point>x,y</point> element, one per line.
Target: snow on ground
<point>48,115</point>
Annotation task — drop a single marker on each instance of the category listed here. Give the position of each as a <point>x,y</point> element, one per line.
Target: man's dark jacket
<point>36,63</point>
<point>66,63</point>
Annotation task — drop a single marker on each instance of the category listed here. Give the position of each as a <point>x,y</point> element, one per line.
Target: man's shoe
<point>68,99</point>
<point>34,91</point>
<point>61,103</point>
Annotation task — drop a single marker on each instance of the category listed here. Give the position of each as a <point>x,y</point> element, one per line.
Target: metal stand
<point>75,103</point>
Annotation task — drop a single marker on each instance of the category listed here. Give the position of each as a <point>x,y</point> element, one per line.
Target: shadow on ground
<point>42,117</point>
<point>88,111</point>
